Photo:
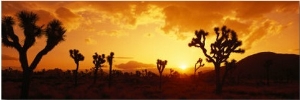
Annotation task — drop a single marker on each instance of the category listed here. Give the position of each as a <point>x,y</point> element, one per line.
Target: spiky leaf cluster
<point>110,58</point>
<point>98,60</point>
<point>200,64</point>
<point>225,44</point>
<point>76,55</point>
<point>161,65</point>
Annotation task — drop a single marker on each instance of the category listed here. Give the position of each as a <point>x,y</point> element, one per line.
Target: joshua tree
<point>54,33</point>
<point>200,65</point>
<point>98,60</point>
<point>160,66</point>
<point>229,66</point>
<point>138,73</point>
<point>225,44</point>
<point>171,71</point>
<point>267,65</point>
<point>110,61</point>
<point>145,71</point>
<point>77,57</point>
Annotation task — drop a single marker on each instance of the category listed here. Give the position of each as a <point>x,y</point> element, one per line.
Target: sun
<point>182,66</point>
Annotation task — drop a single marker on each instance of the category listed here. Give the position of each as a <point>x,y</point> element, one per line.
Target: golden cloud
<point>116,33</point>
<point>70,20</point>
<point>175,18</point>
<point>90,41</point>
<point>8,57</point>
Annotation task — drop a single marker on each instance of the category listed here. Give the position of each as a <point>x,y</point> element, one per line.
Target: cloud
<point>149,35</point>
<point>117,33</point>
<point>116,17</point>
<point>124,57</point>
<point>248,19</point>
<point>70,20</point>
<point>44,17</point>
<point>178,19</point>
<point>7,57</point>
<point>90,41</point>
<point>134,65</point>
<point>294,50</point>
<point>11,8</point>
<point>260,30</point>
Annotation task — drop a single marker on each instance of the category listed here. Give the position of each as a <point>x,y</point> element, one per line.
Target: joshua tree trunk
<point>76,74</point>
<point>218,81</point>
<point>95,75</point>
<point>109,77</point>
<point>195,73</point>
<point>26,83</point>
<point>160,81</point>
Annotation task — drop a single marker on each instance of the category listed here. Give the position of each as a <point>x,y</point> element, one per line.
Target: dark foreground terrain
<point>247,81</point>
<point>60,85</point>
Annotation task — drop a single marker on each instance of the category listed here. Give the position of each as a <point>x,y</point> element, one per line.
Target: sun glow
<point>182,66</point>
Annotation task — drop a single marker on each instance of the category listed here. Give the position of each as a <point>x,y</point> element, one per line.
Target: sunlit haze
<point>146,31</point>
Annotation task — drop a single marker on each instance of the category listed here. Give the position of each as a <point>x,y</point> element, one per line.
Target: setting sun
<point>182,66</point>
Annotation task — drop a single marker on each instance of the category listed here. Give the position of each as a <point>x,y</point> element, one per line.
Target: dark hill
<point>283,65</point>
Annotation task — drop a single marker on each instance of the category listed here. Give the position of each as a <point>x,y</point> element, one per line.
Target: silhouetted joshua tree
<point>145,72</point>
<point>171,71</point>
<point>229,66</point>
<point>77,57</point>
<point>138,73</point>
<point>110,61</point>
<point>161,66</point>
<point>98,60</point>
<point>225,44</point>
<point>54,33</point>
<point>267,65</point>
<point>196,68</point>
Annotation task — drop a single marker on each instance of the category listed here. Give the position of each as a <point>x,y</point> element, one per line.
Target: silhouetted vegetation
<point>77,57</point>
<point>161,66</point>
<point>54,33</point>
<point>54,84</point>
<point>98,60</point>
<point>110,61</point>
<point>225,44</point>
<point>200,65</point>
<point>145,73</point>
<point>174,74</point>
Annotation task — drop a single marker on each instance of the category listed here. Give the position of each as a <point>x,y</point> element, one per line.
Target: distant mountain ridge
<point>282,65</point>
<point>252,67</point>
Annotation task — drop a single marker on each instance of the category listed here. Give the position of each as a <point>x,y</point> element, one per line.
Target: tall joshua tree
<point>54,33</point>
<point>77,57</point>
<point>200,65</point>
<point>161,66</point>
<point>110,61</point>
<point>225,44</point>
<point>98,61</point>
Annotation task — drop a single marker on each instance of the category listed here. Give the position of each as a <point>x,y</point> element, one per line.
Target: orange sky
<point>147,31</point>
